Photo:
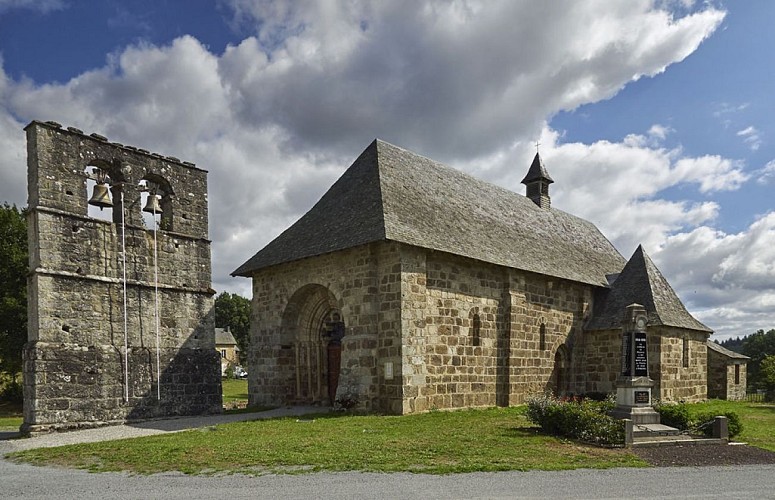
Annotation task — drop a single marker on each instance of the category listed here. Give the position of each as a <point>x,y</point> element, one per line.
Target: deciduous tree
<point>13,288</point>
<point>758,346</point>
<point>767,376</point>
<point>233,310</point>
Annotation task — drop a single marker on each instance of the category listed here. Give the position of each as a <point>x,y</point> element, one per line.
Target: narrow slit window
<point>476,337</point>
<point>685,352</point>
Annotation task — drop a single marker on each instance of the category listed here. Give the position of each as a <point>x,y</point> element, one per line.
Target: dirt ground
<point>702,455</point>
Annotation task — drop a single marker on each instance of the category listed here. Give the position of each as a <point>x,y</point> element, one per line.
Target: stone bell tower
<point>121,323</point>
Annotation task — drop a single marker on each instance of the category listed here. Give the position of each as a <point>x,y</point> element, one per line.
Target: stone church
<point>411,286</point>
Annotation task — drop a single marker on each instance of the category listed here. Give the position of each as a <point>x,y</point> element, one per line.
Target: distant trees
<point>767,376</point>
<point>233,310</point>
<point>733,344</point>
<point>758,346</point>
<point>13,289</point>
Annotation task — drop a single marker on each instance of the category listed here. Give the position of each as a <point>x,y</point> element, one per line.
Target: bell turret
<point>537,181</point>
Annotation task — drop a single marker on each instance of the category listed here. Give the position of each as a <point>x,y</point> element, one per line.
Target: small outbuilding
<point>727,371</point>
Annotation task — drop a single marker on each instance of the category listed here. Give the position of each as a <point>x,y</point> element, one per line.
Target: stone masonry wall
<point>683,371</point>
<point>473,332</point>
<point>553,309</point>
<point>429,330</point>
<point>721,377</point>
<point>364,285</point>
<point>75,360</point>
<point>424,330</point>
<point>736,391</point>
<point>603,359</point>
<point>672,380</point>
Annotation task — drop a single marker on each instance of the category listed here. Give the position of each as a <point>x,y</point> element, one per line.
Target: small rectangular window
<point>223,353</point>
<point>737,374</point>
<point>686,353</point>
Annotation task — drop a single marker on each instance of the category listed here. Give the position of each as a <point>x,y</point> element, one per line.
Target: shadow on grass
<point>248,409</point>
<point>10,409</point>
<point>522,432</point>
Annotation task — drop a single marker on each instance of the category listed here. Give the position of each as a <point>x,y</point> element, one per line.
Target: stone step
<point>681,440</point>
<point>646,430</point>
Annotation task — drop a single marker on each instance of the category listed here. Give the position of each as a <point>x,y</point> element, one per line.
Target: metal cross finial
<point>538,143</point>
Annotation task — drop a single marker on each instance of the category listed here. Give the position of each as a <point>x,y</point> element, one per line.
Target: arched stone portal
<point>313,326</point>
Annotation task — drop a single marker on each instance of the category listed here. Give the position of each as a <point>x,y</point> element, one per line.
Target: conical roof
<point>537,172</point>
<point>641,282</point>
<point>389,193</point>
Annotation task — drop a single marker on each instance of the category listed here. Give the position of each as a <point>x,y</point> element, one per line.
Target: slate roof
<point>224,337</point>
<point>726,352</point>
<point>537,172</point>
<point>640,282</point>
<point>390,193</point>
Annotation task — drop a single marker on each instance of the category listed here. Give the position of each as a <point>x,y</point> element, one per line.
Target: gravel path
<point>704,455</point>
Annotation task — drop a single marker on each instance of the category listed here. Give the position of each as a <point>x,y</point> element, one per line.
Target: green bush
<point>576,418</point>
<point>13,392</point>
<point>703,423</point>
<point>674,415</point>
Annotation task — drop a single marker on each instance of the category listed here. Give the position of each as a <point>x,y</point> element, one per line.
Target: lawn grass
<point>234,390</point>
<point>494,439</point>
<point>758,420</point>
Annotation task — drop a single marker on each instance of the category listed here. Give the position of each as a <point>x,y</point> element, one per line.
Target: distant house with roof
<point>412,286</point>
<point>226,345</point>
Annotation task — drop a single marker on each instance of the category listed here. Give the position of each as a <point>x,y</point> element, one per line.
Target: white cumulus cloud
<point>278,116</point>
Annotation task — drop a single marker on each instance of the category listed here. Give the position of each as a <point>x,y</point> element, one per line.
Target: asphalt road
<point>21,481</point>
<point>756,481</point>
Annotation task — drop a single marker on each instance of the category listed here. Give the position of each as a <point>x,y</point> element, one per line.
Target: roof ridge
<point>390,193</point>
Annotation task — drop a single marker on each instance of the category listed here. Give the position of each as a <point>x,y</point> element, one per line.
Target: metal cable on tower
<point>126,338</point>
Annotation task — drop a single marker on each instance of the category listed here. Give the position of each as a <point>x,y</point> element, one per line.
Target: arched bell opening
<point>314,327</point>
<point>100,201</point>
<point>104,187</point>
<point>156,202</point>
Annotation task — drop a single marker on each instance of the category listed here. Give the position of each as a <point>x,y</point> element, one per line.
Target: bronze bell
<point>152,204</point>
<point>101,196</point>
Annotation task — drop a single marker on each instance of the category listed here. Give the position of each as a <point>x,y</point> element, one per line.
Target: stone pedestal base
<point>633,400</point>
<point>638,415</point>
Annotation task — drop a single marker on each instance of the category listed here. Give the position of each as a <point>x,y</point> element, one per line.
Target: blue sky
<point>654,117</point>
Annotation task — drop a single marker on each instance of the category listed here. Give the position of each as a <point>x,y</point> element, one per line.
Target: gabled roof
<point>224,337</point>
<point>390,193</point>
<point>724,351</point>
<point>640,282</point>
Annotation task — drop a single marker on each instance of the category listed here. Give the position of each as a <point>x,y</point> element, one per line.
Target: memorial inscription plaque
<point>626,355</point>
<point>641,355</point>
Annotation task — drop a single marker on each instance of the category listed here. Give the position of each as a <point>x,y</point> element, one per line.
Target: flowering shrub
<point>576,418</point>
